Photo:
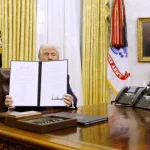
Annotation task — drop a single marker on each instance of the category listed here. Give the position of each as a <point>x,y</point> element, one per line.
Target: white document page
<point>24,83</point>
<point>53,83</point>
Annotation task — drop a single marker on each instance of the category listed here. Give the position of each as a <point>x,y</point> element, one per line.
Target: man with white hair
<point>49,53</point>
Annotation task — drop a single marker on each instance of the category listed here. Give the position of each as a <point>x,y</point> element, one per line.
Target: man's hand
<point>68,99</point>
<point>9,102</point>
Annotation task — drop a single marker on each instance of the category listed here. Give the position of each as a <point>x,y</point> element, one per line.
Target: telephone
<point>129,95</point>
<point>142,99</point>
<point>138,95</point>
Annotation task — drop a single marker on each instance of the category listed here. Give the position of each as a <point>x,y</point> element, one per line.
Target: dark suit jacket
<point>69,91</point>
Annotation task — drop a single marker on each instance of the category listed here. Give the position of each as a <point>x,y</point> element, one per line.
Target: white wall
<point>140,72</point>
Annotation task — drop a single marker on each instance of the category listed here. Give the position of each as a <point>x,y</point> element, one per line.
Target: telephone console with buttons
<point>143,99</point>
<point>130,95</point>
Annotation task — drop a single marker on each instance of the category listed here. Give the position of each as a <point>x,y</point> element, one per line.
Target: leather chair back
<point>4,86</point>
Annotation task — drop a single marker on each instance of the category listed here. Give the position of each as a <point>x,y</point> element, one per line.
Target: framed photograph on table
<point>143,32</point>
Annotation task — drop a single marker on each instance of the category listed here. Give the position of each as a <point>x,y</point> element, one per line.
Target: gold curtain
<point>0,23</point>
<point>94,51</point>
<point>0,15</point>
<point>18,30</point>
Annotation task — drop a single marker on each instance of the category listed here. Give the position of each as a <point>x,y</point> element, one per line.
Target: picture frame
<point>143,36</point>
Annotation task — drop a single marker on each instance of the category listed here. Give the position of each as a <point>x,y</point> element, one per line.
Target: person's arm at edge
<point>69,91</point>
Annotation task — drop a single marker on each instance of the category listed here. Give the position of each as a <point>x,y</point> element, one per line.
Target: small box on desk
<point>11,118</point>
<point>46,124</point>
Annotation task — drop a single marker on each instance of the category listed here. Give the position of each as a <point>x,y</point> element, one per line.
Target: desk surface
<point>127,128</point>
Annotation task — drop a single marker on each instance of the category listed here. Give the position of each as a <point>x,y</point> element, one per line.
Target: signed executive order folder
<point>38,83</point>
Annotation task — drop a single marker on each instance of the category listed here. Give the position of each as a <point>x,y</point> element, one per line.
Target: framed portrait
<point>143,32</point>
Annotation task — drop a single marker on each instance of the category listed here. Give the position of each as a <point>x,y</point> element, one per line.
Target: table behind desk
<point>127,128</point>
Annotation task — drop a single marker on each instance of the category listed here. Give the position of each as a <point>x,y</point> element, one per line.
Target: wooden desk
<point>127,128</point>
